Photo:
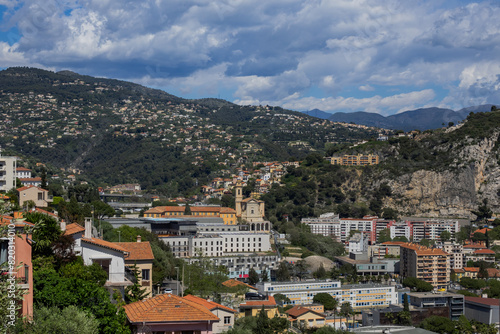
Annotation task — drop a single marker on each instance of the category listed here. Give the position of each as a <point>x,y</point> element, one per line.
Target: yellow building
<point>355,160</point>
<point>251,308</point>
<point>310,316</point>
<point>228,215</point>
<point>141,255</point>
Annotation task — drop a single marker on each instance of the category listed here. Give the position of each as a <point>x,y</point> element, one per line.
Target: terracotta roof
<point>21,169</point>
<point>47,213</point>
<point>484,251</point>
<point>493,272</point>
<point>227,210</point>
<point>474,246</point>
<point>26,179</point>
<point>484,301</point>
<point>231,283</point>
<point>251,199</point>
<point>422,250</point>
<point>298,310</point>
<point>5,220</point>
<point>137,250</point>
<point>104,243</point>
<point>458,270</point>
<point>393,243</point>
<point>483,230</point>
<point>471,269</point>
<point>167,308</point>
<point>259,303</point>
<point>210,305</point>
<point>73,229</point>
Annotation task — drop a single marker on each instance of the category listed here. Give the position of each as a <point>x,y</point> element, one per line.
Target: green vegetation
<point>417,284</point>
<point>444,325</point>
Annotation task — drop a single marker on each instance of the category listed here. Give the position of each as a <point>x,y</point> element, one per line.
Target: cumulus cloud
<point>276,51</point>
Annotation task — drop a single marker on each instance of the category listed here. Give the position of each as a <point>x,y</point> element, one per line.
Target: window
<point>227,320</point>
<point>104,263</point>
<point>145,274</point>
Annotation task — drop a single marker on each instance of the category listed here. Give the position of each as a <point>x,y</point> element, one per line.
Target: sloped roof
<point>167,308</point>
<point>259,303</point>
<point>105,244</point>
<point>298,310</point>
<point>210,305</point>
<point>484,301</point>
<point>422,250</point>
<point>471,269</point>
<point>73,229</point>
<point>484,251</point>
<point>137,250</point>
<point>231,283</point>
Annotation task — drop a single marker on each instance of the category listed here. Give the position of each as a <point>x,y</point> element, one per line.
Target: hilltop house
<point>38,195</point>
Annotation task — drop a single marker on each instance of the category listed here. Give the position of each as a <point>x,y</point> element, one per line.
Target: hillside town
<point>230,264</point>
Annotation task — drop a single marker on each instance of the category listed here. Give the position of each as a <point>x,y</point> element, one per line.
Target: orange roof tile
<point>422,250</point>
<point>47,213</point>
<point>298,310</point>
<point>471,269</point>
<point>27,179</point>
<point>227,210</point>
<point>474,246</point>
<point>167,308</point>
<point>259,303</point>
<point>493,272</point>
<point>5,220</point>
<point>210,305</point>
<point>483,230</point>
<point>484,251</point>
<point>137,250</point>
<point>73,229</point>
<point>393,243</point>
<point>104,243</point>
<point>22,169</point>
<point>231,283</point>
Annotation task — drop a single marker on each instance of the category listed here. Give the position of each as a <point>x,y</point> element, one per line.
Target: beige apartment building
<point>355,160</point>
<point>428,264</point>
<point>7,173</point>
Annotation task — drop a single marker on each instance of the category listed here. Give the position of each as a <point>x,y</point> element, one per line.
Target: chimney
<point>138,238</point>
<point>63,225</point>
<point>88,228</point>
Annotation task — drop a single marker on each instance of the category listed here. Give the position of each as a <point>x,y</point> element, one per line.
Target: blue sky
<point>383,56</point>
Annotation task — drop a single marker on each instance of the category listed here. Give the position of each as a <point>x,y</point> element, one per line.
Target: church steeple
<point>239,198</point>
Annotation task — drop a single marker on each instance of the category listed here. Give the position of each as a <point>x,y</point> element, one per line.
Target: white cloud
<point>276,50</point>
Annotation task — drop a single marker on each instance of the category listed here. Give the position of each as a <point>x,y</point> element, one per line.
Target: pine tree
<point>253,277</point>
<point>134,292</point>
<point>187,210</point>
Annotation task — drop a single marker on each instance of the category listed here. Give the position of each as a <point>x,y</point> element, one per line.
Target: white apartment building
<point>7,172</point>
<point>339,228</point>
<point>360,296</point>
<point>218,244</point>
<point>400,229</point>
<point>456,255</point>
<point>432,229</point>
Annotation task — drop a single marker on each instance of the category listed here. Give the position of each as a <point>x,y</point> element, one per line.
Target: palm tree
<point>346,310</point>
<point>335,304</point>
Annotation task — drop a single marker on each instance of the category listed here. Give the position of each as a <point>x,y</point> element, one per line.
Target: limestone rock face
<point>454,192</point>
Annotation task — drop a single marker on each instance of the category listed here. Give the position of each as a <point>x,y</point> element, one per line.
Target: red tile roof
<point>21,169</point>
<point>297,311</point>
<point>104,243</point>
<point>137,250</point>
<point>484,301</point>
<point>484,251</point>
<point>73,229</point>
<point>47,213</point>
<point>259,303</point>
<point>231,283</point>
<point>471,269</point>
<point>422,250</point>
<point>168,308</point>
<point>210,305</point>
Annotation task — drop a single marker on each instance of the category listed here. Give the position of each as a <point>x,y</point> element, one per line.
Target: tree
<point>45,232</point>
<point>43,176</point>
<point>483,212</point>
<point>384,235</point>
<point>253,277</point>
<point>263,323</point>
<point>438,324</point>
<point>102,209</point>
<point>346,310</point>
<point>264,276</point>
<point>187,210</point>
<point>418,284</point>
<point>320,273</point>
<point>134,292</point>
<point>445,236</point>
<point>283,274</point>
<point>64,321</point>
<point>390,213</point>
<point>326,300</point>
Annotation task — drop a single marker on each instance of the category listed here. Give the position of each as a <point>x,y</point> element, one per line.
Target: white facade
<point>400,229</point>
<point>360,296</point>
<point>432,229</point>
<point>7,173</point>
<point>358,243</point>
<point>111,260</point>
<point>456,256</point>
<point>22,172</point>
<point>340,228</point>
<point>218,244</point>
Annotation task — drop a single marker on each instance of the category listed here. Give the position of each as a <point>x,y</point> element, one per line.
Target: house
<point>22,270</point>
<point>233,283</point>
<point>303,316</point>
<point>38,195</point>
<point>109,255</point>
<point>140,255</point>
<point>22,172</point>
<point>224,313</point>
<point>171,314</point>
<point>251,308</point>
<point>31,181</point>
<point>471,272</point>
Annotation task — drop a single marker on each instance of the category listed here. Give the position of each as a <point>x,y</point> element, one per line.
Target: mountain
<point>109,131</point>
<point>419,119</point>
<point>318,113</point>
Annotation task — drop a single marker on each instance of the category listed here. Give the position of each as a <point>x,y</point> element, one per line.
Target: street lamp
<point>177,283</point>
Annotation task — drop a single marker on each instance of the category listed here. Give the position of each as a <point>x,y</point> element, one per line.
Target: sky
<point>381,56</point>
